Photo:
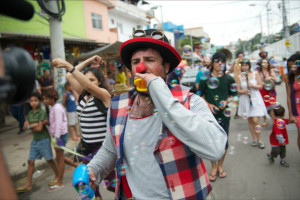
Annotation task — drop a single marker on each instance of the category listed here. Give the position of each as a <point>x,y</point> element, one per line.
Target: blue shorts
<point>64,138</point>
<point>39,149</point>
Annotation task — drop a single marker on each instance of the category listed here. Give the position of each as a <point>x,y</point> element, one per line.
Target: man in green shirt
<point>216,91</point>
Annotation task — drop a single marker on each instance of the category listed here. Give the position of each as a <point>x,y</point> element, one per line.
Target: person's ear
<point>167,67</point>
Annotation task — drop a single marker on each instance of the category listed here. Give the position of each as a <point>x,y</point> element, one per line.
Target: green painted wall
<point>72,22</point>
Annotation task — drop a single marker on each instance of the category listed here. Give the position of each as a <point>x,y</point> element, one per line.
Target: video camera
<point>17,68</point>
<point>18,81</point>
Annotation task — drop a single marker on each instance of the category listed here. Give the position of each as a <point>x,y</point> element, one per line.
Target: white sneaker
<point>261,145</point>
<point>254,143</point>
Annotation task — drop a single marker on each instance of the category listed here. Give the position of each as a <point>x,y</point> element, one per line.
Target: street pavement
<point>250,176</point>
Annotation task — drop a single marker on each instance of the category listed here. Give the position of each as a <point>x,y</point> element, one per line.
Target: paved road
<point>250,176</point>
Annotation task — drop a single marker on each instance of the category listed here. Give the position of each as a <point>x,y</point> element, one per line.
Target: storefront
<point>39,47</point>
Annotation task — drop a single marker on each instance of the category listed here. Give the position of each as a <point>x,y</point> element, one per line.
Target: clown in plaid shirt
<point>157,137</point>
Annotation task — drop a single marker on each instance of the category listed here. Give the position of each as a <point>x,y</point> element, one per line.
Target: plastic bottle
<point>81,183</point>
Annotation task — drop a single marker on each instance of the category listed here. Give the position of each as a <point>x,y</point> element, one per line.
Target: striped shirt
<point>92,121</point>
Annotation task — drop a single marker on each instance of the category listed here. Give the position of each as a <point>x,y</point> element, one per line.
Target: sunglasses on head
<point>245,61</point>
<point>219,60</point>
<point>155,34</point>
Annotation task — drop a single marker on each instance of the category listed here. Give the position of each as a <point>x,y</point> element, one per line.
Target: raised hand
<point>60,63</point>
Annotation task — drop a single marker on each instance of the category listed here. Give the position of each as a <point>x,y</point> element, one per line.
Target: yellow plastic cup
<point>141,85</point>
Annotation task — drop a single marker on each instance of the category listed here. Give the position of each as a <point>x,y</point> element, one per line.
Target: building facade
<point>126,18</point>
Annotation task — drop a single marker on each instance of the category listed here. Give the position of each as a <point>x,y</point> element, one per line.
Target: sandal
<point>55,188</point>
<point>23,190</point>
<point>221,174</point>
<point>212,177</point>
<point>53,182</point>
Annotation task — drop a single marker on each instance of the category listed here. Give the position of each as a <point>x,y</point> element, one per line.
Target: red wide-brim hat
<point>169,53</point>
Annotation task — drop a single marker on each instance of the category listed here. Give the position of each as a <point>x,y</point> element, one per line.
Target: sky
<point>227,21</point>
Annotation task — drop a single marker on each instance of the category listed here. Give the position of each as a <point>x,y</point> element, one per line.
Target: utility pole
<point>267,7</point>
<point>192,48</point>
<point>261,29</point>
<point>162,20</point>
<point>285,26</point>
<point>57,47</point>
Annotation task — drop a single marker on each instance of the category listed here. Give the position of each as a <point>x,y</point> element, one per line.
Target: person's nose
<point>141,67</point>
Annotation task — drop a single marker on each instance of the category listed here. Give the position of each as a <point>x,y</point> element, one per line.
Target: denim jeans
<point>18,112</point>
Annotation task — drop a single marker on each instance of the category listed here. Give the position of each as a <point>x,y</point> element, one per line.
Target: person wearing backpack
<point>216,91</point>
<point>93,103</point>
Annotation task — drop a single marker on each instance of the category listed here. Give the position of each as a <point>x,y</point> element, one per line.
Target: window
<point>120,26</point>
<point>97,21</point>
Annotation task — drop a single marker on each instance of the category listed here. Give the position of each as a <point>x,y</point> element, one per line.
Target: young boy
<point>40,145</point>
<point>279,137</point>
<point>69,101</point>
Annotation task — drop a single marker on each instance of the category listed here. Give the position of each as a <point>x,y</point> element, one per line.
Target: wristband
<point>72,70</point>
<point>28,127</point>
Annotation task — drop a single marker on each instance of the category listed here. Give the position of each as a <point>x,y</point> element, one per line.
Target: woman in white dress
<point>251,104</point>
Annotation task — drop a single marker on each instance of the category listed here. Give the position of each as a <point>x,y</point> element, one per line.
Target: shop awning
<point>46,39</point>
<point>108,51</point>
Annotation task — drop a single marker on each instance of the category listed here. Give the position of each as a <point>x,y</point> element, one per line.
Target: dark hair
<point>247,61</point>
<point>260,66</point>
<point>218,55</point>
<point>293,58</point>
<point>99,75</point>
<point>52,93</point>
<point>238,53</point>
<point>67,84</point>
<point>263,52</point>
<point>279,112</point>
<point>37,95</point>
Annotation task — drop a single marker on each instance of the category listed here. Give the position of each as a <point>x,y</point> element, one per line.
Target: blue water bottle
<point>81,183</point>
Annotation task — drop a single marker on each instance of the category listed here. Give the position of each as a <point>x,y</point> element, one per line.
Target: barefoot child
<point>69,101</point>
<point>40,145</point>
<point>58,129</point>
<point>279,137</point>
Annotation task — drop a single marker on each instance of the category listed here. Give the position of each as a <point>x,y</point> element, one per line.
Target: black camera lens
<point>20,70</point>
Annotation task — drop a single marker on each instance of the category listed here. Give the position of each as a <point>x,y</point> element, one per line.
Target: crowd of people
<point>164,124</point>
